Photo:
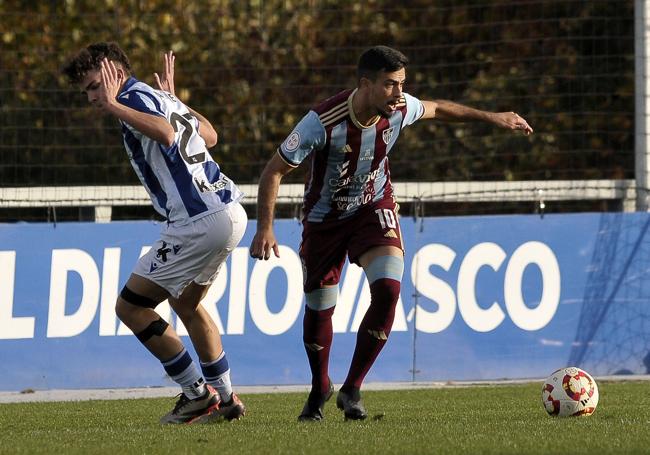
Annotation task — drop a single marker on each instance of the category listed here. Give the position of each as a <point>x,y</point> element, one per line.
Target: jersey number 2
<point>188,129</point>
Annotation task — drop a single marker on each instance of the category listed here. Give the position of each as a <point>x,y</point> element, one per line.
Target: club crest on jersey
<point>292,142</point>
<point>387,134</point>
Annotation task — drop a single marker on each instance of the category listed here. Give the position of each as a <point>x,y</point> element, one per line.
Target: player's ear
<point>364,82</point>
<point>121,75</point>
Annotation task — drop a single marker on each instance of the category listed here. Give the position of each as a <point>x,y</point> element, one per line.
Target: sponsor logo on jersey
<point>208,187</point>
<point>345,203</point>
<point>367,155</point>
<point>361,178</point>
<point>346,149</point>
<point>292,142</point>
<point>387,134</point>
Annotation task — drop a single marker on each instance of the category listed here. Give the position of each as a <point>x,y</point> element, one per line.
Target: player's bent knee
<point>384,295</point>
<point>185,308</point>
<point>186,314</point>
<point>156,328</point>
<point>121,310</point>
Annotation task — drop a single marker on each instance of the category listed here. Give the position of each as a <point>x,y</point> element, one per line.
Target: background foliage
<point>255,67</point>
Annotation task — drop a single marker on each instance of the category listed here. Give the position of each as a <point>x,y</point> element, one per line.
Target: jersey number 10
<point>386,218</point>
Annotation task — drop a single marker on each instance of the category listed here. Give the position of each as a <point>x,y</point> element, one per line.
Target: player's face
<point>90,86</point>
<point>386,91</point>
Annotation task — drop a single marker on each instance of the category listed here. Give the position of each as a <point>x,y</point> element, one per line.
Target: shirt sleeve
<point>414,110</point>
<point>308,135</point>
<point>143,102</point>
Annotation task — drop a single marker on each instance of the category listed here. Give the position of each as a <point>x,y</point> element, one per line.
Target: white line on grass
<point>155,392</point>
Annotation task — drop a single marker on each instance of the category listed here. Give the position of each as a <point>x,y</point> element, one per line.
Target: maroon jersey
<point>349,166</point>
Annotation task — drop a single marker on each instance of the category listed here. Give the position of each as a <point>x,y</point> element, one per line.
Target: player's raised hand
<point>166,83</point>
<point>262,244</point>
<point>512,121</point>
<point>111,82</point>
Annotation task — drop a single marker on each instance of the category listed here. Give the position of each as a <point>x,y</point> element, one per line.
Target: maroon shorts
<point>325,245</point>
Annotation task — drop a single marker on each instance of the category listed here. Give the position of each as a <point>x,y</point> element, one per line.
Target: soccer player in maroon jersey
<point>349,210</point>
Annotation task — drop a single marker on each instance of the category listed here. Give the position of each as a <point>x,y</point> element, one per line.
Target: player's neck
<point>363,110</point>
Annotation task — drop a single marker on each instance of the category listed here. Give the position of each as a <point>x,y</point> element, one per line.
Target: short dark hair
<point>380,58</point>
<point>89,59</point>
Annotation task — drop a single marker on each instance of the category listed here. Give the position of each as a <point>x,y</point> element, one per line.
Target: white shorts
<point>193,251</point>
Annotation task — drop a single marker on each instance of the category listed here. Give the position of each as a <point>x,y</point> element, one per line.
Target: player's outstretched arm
<point>264,240</point>
<point>449,111</point>
<point>166,83</point>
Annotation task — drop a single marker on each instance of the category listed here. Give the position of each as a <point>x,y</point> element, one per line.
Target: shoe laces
<point>182,401</point>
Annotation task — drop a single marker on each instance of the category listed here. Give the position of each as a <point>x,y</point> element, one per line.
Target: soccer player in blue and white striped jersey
<point>167,144</point>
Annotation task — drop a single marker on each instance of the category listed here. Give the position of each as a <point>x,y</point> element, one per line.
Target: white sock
<point>217,374</point>
<point>182,369</point>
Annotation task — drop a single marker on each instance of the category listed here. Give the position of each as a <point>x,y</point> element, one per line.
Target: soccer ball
<point>570,392</point>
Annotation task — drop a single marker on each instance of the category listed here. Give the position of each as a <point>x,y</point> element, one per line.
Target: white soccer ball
<point>570,392</point>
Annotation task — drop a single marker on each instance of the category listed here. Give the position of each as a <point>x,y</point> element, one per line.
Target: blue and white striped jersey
<point>183,180</point>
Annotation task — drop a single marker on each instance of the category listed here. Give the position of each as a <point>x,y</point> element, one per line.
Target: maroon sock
<point>374,329</point>
<point>317,336</point>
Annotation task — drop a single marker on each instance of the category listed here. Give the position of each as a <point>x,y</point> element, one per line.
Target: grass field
<point>502,419</point>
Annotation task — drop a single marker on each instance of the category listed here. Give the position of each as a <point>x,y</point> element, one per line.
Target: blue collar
<point>127,85</point>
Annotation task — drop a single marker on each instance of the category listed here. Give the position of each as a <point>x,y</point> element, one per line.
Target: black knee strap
<point>137,299</point>
<point>155,328</point>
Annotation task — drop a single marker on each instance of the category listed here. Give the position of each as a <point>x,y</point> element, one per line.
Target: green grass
<point>503,419</point>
